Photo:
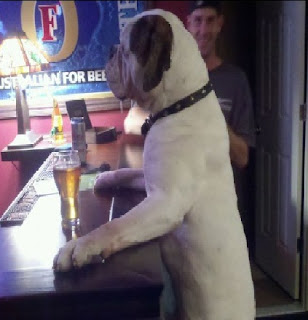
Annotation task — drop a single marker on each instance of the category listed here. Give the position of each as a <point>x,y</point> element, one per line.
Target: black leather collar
<point>177,106</point>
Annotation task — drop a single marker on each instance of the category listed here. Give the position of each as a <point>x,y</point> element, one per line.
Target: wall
<point>179,8</point>
<point>9,186</point>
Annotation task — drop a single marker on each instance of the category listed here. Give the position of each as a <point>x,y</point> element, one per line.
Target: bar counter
<point>125,286</point>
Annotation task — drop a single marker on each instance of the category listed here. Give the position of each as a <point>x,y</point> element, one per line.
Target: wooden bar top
<point>125,286</point>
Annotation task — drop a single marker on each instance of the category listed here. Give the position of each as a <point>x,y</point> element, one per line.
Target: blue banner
<point>75,37</point>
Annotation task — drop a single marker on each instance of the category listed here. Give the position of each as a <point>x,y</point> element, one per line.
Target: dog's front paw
<point>105,180</point>
<point>84,252</point>
<point>63,260</point>
<point>75,254</point>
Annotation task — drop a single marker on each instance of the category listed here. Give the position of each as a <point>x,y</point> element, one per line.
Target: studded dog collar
<point>177,106</point>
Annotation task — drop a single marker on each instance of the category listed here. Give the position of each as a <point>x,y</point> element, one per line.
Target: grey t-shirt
<point>233,92</point>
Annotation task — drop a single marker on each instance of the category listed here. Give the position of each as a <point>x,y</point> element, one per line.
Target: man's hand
<point>238,149</point>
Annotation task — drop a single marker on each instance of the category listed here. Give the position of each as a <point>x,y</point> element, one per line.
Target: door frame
<point>304,265</point>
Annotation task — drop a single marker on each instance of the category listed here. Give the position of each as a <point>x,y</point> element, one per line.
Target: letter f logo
<point>49,21</point>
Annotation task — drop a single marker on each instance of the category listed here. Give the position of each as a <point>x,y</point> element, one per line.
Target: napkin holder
<point>101,135</point>
<point>78,108</point>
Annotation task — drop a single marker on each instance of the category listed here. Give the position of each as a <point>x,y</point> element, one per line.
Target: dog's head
<point>154,47</point>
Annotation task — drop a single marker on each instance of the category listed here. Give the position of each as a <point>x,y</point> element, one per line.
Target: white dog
<point>191,204</point>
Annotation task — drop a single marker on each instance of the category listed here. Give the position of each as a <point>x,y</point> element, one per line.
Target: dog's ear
<point>151,41</point>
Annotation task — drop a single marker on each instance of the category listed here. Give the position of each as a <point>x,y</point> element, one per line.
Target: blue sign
<point>74,35</point>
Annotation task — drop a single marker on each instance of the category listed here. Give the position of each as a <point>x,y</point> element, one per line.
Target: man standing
<point>205,22</point>
<point>230,83</point>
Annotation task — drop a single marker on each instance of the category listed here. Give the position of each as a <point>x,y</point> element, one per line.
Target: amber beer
<point>67,180</point>
<point>67,177</point>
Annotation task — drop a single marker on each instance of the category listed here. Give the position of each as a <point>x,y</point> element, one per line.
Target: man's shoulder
<point>229,74</point>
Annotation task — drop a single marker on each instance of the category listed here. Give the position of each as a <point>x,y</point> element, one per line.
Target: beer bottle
<point>57,121</point>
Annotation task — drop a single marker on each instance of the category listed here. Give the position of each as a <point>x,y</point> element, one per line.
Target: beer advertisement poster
<point>75,37</point>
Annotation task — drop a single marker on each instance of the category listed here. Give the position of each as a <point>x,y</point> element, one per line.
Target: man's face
<point>205,24</point>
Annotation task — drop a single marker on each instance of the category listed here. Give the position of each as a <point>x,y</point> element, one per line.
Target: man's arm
<point>241,128</point>
<point>239,152</point>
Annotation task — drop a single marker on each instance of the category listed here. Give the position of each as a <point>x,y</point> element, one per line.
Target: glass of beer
<point>66,172</point>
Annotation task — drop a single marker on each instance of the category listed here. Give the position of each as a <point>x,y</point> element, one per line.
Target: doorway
<point>267,39</point>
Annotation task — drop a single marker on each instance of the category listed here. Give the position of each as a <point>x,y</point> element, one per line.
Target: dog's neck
<point>177,107</point>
